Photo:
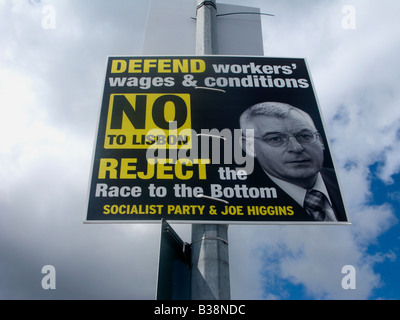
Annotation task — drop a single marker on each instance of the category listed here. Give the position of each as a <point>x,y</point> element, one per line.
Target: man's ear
<point>321,141</point>
<point>247,143</point>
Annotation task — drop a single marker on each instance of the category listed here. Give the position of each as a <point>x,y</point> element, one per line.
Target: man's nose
<point>294,145</point>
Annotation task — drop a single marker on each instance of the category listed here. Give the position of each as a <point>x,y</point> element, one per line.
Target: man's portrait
<point>290,152</point>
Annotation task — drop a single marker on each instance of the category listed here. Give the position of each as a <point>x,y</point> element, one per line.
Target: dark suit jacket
<point>258,178</point>
<point>332,185</point>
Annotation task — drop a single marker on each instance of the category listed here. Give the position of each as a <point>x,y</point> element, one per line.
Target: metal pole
<point>210,259</point>
<point>206,31</point>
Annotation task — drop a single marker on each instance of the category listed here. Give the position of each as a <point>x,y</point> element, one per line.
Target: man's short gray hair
<point>277,110</point>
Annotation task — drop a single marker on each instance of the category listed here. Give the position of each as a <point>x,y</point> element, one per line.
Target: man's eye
<point>305,136</point>
<point>274,139</point>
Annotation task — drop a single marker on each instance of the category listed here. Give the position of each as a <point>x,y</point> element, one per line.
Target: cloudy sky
<point>52,66</point>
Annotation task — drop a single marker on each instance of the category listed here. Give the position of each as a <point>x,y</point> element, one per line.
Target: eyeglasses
<point>282,139</point>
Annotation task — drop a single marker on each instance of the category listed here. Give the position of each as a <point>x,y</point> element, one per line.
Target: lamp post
<point>210,258</point>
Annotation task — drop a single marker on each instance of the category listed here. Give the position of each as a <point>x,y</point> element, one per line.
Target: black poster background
<point>209,109</point>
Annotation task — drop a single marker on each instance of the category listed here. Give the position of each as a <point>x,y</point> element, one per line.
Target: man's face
<point>293,162</point>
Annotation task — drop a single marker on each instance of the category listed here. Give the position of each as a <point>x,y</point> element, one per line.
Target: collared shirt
<point>299,193</point>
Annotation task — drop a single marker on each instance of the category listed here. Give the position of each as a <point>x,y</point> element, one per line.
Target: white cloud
<point>354,76</point>
<point>49,106</point>
<point>50,87</point>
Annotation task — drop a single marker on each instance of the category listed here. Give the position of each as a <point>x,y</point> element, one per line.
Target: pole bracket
<point>210,238</point>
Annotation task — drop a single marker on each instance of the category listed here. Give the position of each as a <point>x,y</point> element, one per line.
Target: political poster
<point>212,139</point>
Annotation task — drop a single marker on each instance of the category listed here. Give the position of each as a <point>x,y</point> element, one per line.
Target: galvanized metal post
<point>210,258</point>
<point>210,262</point>
<point>206,31</point>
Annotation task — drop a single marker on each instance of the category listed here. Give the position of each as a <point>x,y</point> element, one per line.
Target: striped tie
<point>314,204</point>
